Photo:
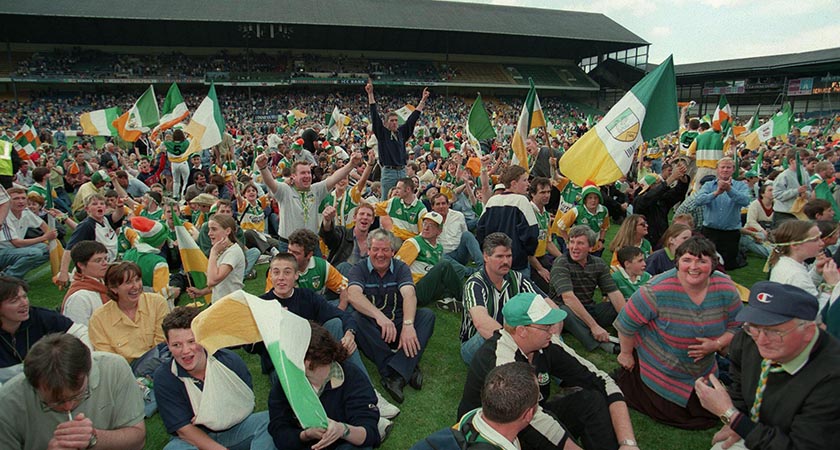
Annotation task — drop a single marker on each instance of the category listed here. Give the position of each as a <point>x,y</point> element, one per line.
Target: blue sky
<point>710,30</point>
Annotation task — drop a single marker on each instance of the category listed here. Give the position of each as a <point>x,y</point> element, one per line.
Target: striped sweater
<point>664,322</point>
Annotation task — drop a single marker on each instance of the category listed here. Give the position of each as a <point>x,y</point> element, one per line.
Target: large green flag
<point>478,122</point>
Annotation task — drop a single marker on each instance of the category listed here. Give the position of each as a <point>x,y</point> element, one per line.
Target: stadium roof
<point>384,25</point>
<point>818,60</point>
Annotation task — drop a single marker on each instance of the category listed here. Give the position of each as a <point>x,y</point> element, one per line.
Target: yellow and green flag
<point>531,117</point>
<point>605,153</point>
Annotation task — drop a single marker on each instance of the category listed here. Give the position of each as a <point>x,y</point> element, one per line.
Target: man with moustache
<point>487,291</point>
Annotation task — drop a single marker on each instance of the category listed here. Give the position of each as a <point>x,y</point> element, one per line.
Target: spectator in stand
<point>392,137</point>
<point>662,260</point>
<point>543,258</point>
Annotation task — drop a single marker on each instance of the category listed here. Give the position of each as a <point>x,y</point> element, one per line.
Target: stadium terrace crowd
<point>366,232</point>
<point>88,63</point>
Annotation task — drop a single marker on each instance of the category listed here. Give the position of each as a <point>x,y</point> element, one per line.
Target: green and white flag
<point>335,127</point>
<point>403,113</point>
<point>805,126</point>
<point>174,110</point>
<point>605,153</point>
<point>144,114</point>
<point>778,125</point>
<point>207,126</point>
<point>242,318</point>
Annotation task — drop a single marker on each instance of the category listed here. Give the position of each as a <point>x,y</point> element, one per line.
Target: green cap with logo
<point>527,308</point>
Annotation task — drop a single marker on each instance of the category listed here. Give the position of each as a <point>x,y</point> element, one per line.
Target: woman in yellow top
<point>130,324</point>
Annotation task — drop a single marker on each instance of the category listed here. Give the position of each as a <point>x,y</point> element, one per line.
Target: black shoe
<point>416,380</point>
<point>394,387</point>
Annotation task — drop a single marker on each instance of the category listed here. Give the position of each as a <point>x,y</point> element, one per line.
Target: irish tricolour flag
<point>140,118</point>
<point>100,122</point>
<point>604,154</point>
<point>207,125</point>
<point>174,110</point>
<point>241,318</point>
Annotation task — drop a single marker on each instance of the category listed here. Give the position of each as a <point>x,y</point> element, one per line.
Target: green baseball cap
<point>527,308</point>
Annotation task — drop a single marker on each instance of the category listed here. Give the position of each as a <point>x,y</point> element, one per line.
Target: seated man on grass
<point>574,277</point>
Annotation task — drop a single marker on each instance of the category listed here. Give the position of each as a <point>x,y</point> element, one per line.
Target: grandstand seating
<point>282,68</point>
<point>481,73</point>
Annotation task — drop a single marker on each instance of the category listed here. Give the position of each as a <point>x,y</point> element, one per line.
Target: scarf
<point>84,282</point>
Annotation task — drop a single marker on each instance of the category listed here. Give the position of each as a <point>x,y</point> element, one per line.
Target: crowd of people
<point>366,232</point>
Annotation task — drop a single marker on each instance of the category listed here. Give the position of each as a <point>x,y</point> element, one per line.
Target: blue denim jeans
<point>469,348</point>
<point>250,434</point>
<point>389,179</point>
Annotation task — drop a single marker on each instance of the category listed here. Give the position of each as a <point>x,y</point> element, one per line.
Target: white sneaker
<point>386,409</point>
<point>385,427</point>
<point>263,259</point>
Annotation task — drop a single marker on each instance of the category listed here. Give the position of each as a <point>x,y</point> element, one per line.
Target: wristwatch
<point>728,415</point>
<point>629,443</point>
<point>408,322</point>
<point>92,441</point>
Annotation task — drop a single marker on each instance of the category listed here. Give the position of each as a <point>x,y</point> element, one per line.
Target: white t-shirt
<point>81,305</point>
<point>454,226</point>
<point>299,209</point>
<point>234,257</point>
<point>15,228</point>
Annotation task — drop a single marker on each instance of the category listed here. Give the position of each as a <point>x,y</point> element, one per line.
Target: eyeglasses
<point>78,399</point>
<point>547,330</point>
<point>774,336</point>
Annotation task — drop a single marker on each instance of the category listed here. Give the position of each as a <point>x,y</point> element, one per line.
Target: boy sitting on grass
<point>631,274</point>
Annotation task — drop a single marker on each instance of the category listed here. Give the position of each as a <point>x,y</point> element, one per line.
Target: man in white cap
<point>785,376</point>
<point>593,408</point>
<point>96,185</point>
<point>434,277</point>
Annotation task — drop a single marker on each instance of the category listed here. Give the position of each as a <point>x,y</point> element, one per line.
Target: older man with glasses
<point>590,406</point>
<point>69,398</point>
<point>785,376</point>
